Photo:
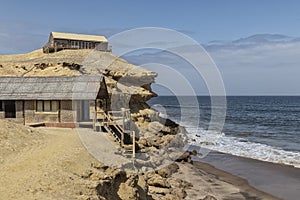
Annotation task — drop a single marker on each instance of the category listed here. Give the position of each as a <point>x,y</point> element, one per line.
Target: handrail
<point>116,125</point>
<point>133,144</point>
<point>109,117</point>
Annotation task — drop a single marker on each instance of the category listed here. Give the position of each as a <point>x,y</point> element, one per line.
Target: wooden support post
<point>129,118</point>
<point>59,111</point>
<point>95,115</point>
<point>122,139</point>
<point>23,107</point>
<point>133,144</point>
<point>123,117</point>
<point>123,130</point>
<point>106,105</point>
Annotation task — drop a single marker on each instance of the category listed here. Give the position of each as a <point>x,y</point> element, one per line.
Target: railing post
<point>95,116</point>
<point>123,117</point>
<point>122,138</point>
<point>129,118</point>
<point>123,123</point>
<point>133,145</point>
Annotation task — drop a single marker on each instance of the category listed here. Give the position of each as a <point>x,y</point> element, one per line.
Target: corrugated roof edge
<point>77,36</point>
<point>14,88</point>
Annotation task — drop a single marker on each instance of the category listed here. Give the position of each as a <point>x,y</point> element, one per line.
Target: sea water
<point>260,127</point>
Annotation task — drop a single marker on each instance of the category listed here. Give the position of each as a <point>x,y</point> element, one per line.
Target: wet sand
<point>279,180</point>
<point>207,181</point>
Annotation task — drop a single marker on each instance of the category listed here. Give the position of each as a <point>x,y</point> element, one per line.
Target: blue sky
<point>203,20</point>
<point>223,27</point>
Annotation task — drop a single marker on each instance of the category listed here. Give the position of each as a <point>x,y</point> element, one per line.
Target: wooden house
<point>59,41</point>
<point>53,101</point>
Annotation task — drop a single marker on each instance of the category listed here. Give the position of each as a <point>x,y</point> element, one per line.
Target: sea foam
<point>241,147</point>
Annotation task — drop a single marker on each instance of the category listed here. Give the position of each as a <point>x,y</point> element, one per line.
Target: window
<point>54,105</point>
<point>81,45</point>
<point>87,45</point>
<point>75,44</point>
<point>46,106</point>
<point>39,106</point>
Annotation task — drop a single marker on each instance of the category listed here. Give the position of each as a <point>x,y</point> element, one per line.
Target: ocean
<point>265,128</point>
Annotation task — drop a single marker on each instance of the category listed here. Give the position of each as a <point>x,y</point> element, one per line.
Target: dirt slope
<point>48,168</point>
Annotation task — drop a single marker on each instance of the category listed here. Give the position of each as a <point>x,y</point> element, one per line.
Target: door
<point>85,110</point>
<point>10,109</point>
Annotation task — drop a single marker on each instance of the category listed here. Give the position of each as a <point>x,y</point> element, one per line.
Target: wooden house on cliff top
<point>60,41</point>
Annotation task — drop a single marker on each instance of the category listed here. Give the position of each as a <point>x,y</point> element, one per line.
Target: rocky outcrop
<point>117,184</point>
<point>209,197</point>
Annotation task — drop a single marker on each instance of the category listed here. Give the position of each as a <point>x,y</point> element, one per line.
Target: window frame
<point>51,102</point>
<point>75,44</point>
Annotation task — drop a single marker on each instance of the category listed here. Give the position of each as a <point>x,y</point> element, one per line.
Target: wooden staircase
<point>110,131</point>
<point>116,127</point>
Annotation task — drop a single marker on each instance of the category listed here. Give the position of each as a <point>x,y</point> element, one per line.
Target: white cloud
<point>271,67</point>
<point>258,65</point>
<point>261,69</point>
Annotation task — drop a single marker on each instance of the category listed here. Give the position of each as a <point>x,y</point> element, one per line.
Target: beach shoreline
<point>278,180</point>
<point>245,190</point>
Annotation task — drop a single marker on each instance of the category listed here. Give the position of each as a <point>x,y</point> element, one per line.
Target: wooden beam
<point>23,107</point>
<point>133,144</point>
<point>59,111</point>
<point>95,115</point>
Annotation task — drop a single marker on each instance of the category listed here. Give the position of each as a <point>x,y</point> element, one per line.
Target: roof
<point>82,37</point>
<point>50,88</point>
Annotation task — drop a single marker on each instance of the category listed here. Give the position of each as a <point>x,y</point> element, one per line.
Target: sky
<point>254,44</point>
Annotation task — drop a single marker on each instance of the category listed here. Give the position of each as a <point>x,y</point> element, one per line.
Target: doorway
<point>85,111</point>
<point>10,109</point>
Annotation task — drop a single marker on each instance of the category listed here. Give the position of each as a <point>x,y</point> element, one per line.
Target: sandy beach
<point>279,180</point>
<point>220,184</point>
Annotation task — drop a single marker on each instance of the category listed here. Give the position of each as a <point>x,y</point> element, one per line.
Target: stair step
<point>112,132</point>
<point>128,147</point>
<point>128,151</point>
<point>114,128</point>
